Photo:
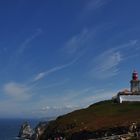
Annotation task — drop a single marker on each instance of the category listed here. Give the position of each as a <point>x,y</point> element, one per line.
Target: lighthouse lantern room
<point>135,83</point>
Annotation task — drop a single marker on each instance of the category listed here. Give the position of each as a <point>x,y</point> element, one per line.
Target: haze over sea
<point>9,128</point>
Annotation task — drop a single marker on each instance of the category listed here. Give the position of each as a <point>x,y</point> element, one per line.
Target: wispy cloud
<point>14,57</point>
<point>130,44</point>
<point>106,64</point>
<point>17,91</point>
<point>55,69</point>
<point>87,96</point>
<point>17,94</point>
<point>77,42</point>
<point>86,38</point>
<point>95,4</point>
<point>91,6</point>
<point>28,40</point>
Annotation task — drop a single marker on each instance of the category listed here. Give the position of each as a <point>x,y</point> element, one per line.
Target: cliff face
<point>96,118</point>
<point>39,130</point>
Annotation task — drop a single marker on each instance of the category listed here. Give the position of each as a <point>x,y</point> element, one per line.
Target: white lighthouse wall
<point>129,98</point>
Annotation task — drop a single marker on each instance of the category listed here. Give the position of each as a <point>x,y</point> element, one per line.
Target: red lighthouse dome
<point>135,75</point>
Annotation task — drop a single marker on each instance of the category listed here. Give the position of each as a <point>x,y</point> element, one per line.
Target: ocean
<point>9,128</point>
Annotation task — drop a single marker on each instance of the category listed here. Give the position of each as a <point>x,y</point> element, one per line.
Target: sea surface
<point>9,128</point>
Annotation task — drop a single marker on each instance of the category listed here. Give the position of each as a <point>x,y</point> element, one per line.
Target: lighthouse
<point>135,83</point>
<point>134,94</point>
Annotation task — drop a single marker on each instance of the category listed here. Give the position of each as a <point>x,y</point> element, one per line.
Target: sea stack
<point>26,131</point>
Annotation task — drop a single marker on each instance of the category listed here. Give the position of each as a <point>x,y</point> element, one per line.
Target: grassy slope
<point>101,115</point>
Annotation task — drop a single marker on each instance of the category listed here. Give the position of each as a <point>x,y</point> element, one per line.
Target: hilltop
<point>100,116</point>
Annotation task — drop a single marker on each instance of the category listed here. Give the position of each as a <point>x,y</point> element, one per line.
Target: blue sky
<point>58,56</point>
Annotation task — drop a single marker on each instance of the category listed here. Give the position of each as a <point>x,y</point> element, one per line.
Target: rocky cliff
<point>97,120</point>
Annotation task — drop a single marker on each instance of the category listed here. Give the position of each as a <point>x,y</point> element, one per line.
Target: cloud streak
<point>85,39</point>
<point>106,64</point>
<point>95,4</point>
<point>41,75</point>
<point>77,42</point>
<point>15,56</point>
<point>91,6</point>
<point>25,44</point>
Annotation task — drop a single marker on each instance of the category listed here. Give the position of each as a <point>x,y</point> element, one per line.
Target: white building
<point>134,94</point>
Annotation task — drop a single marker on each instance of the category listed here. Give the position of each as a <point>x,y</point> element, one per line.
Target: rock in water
<point>26,131</point>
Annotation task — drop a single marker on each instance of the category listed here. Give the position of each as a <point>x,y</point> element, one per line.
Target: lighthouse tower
<point>135,83</point>
<point>134,94</point>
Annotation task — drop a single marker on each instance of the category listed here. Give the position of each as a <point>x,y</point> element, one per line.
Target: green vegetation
<point>101,115</point>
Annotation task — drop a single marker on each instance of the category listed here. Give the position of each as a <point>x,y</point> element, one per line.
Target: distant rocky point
<point>28,133</point>
<point>25,131</point>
